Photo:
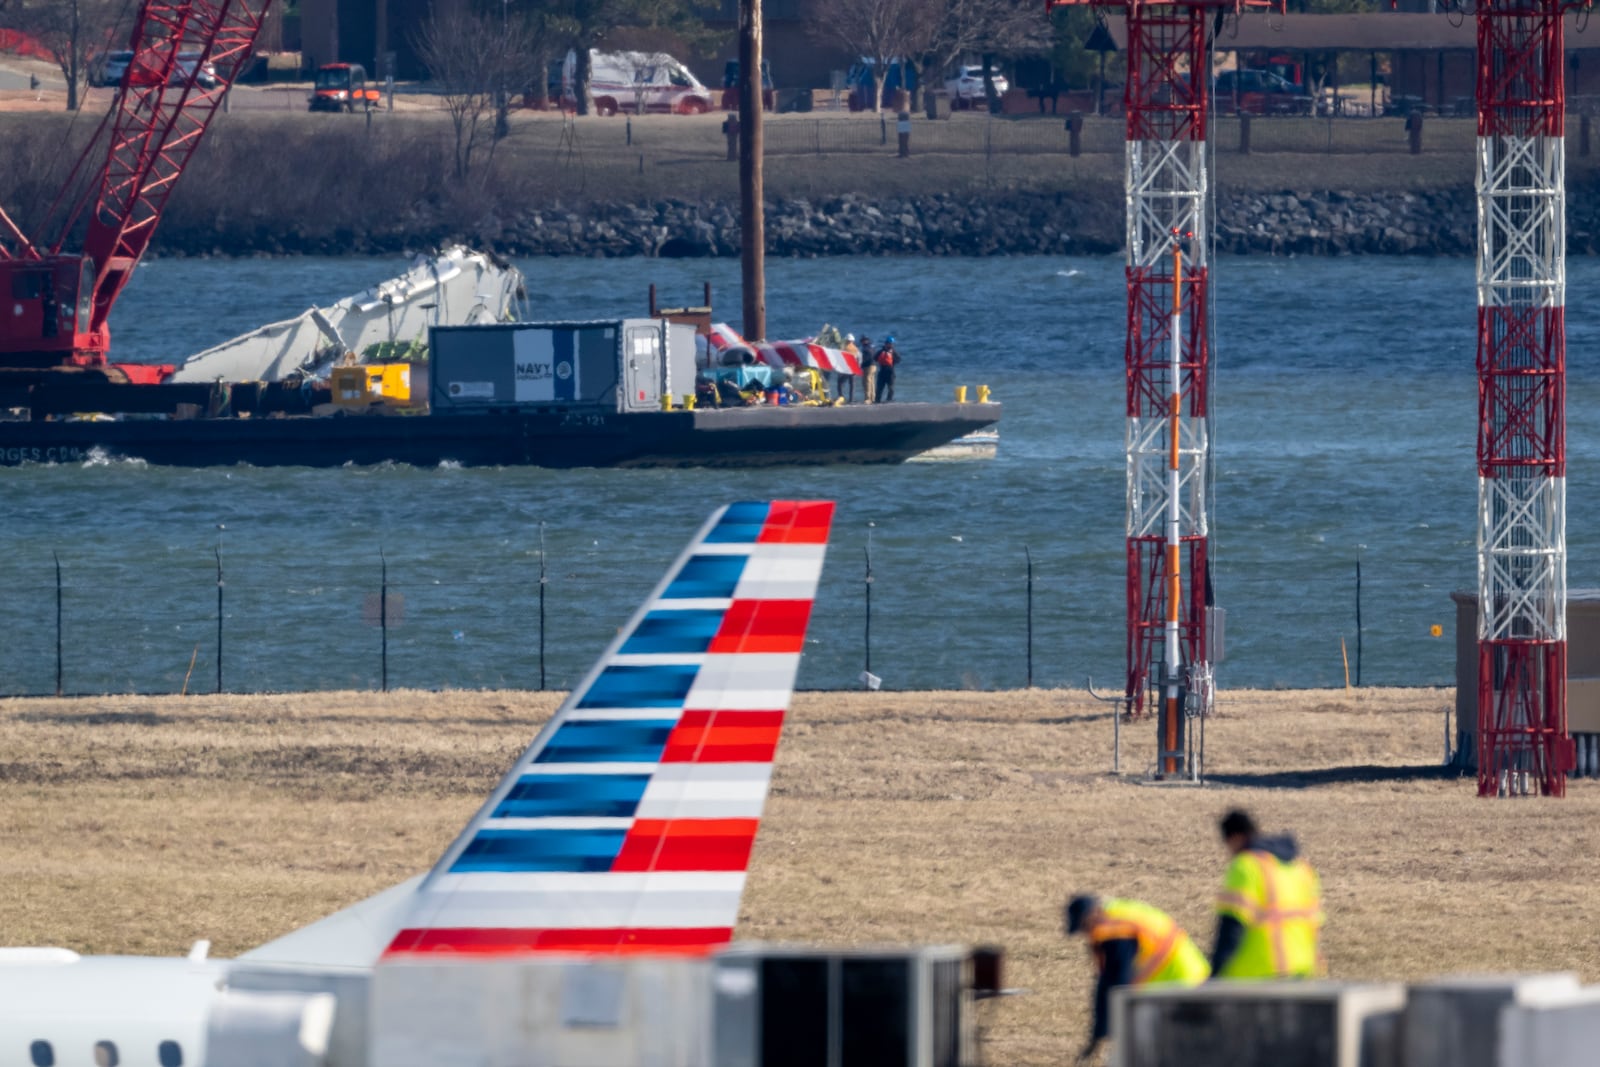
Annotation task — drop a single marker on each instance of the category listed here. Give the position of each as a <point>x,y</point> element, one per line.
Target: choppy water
<point>1345,400</point>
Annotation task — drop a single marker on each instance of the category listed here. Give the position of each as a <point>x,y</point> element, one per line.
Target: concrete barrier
<point>1552,1030</point>
<point>1258,1024</point>
<point>627,1012</point>
<point>1457,1021</point>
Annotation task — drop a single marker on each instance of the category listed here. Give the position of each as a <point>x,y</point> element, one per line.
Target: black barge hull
<point>740,437</point>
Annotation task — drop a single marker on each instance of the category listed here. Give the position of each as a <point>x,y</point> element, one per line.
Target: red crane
<point>59,300</point>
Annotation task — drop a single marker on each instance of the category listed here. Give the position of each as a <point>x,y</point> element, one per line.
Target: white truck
<point>638,82</point>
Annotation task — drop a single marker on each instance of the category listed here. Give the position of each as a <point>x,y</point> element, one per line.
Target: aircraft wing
<point>627,826</point>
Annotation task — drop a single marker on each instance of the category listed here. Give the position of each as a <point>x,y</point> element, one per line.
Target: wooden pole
<point>752,221</point>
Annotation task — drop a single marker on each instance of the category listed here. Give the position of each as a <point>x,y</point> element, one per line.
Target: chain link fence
<point>202,621</point>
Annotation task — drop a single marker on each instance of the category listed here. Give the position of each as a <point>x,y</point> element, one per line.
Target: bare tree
<point>1009,28</point>
<point>880,31</point>
<point>472,58</point>
<point>70,30</point>
<point>959,30</point>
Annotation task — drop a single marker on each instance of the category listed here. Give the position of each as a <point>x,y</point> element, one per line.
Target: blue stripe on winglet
<point>662,686</point>
<point>608,741</point>
<point>740,524</point>
<point>603,796</point>
<point>674,631</point>
<point>540,850</point>
<point>706,576</point>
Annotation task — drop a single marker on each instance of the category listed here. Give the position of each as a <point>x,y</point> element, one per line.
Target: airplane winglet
<point>627,825</point>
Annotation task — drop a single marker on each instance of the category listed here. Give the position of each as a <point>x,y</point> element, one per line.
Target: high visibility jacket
<point>1165,952</point>
<point>1280,907</point>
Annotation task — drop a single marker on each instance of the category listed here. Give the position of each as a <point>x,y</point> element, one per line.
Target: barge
<point>615,393</point>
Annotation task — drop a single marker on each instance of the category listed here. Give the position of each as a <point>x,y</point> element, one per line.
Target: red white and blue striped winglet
<point>627,825</point>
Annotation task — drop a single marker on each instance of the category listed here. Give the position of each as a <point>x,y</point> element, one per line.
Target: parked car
<point>730,87</point>
<point>1260,92</point>
<point>189,66</point>
<point>110,68</point>
<point>902,74</point>
<point>967,85</point>
<point>633,81</point>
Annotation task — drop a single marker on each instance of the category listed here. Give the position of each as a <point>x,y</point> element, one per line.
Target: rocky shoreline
<point>1085,221</point>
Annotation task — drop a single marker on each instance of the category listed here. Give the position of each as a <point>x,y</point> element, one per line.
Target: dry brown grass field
<point>140,824</point>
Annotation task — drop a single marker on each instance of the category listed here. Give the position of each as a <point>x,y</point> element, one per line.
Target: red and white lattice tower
<point>1523,743</point>
<point>1166,100</point>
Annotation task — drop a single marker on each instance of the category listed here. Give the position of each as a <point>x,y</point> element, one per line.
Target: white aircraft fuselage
<point>63,1010</point>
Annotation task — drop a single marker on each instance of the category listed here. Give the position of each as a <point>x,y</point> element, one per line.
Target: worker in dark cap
<point>1132,944</point>
<point>1269,913</point>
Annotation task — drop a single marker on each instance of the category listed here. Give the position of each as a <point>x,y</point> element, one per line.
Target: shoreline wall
<point>1083,222</point>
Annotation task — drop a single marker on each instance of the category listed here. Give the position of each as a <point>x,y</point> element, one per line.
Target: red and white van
<point>636,82</point>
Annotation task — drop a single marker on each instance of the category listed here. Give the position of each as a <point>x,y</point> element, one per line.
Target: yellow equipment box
<point>372,383</point>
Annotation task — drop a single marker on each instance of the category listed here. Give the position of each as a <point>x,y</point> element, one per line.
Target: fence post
<point>902,129</point>
<point>220,528</point>
<point>1244,134</point>
<point>866,680</point>
<point>543,581</point>
<point>1358,616</point>
<point>1414,128</point>
<point>1074,133</point>
<point>57,556</point>
<point>383,617</point>
<point>883,129</point>
<point>1029,554</point>
<point>630,131</point>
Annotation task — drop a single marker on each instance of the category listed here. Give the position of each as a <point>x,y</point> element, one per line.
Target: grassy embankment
<point>269,166</point>
<point>138,825</point>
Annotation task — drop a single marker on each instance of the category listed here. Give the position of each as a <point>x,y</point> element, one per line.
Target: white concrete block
<point>623,1012</point>
<point>1257,1024</point>
<point>1456,1021</point>
<point>1552,1030</point>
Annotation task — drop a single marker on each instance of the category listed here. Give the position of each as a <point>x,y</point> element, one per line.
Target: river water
<point>1345,399</point>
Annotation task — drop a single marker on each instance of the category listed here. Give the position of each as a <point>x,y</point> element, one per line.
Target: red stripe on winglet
<point>687,845</point>
<point>724,737</point>
<point>695,941</point>
<point>763,626</point>
<point>802,522</point>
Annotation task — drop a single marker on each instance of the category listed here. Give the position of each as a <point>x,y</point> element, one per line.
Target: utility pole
<point>502,103</point>
<point>74,51</point>
<point>752,220</point>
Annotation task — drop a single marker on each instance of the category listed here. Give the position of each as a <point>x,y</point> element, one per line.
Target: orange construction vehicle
<point>342,87</point>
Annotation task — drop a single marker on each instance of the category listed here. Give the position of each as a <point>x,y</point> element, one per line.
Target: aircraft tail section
<point>627,825</point>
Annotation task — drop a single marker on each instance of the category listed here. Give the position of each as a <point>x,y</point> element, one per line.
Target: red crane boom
<point>61,301</point>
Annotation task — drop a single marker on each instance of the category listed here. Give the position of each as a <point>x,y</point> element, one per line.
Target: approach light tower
<point>1523,743</point>
<point>1167,101</point>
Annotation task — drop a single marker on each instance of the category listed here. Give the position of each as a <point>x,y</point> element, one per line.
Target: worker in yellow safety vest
<point>1132,944</point>
<point>1269,914</point>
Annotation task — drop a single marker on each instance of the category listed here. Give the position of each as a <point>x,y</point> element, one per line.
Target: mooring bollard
<point>902,127</point>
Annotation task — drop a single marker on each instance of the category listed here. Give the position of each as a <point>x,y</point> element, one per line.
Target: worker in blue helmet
<point>887,360</point>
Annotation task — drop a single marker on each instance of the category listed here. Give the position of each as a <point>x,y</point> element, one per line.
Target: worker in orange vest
<point>1133,944</point>
<point>887,360</point>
